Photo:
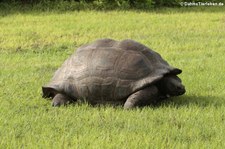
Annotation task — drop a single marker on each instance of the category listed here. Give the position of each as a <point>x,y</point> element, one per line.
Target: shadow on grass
<point>192,100</point>
<point>177,102</point>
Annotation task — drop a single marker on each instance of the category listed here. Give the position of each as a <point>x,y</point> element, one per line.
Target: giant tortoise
<point>110,71</point>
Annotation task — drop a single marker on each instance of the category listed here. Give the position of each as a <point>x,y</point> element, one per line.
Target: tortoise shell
<point>108,70</point>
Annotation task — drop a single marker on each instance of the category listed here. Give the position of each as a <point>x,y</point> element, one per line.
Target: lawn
<point>34,44</point>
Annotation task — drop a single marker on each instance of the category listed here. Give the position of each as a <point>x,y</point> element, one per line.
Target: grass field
<point>34,44</point>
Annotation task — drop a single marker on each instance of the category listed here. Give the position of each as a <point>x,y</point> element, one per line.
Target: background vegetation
<point>34,44</point>
<point>92,4</point>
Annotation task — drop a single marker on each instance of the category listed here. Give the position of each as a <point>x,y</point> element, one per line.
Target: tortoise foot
<point>59,100</point>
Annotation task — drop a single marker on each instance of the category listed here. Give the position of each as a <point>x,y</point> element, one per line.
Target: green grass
<point>34,44</point>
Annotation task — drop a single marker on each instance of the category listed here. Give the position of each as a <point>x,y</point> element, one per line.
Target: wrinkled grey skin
<point>170,86</point>
<point>109,71</point>
<point>167,87</point>
<point>60,99</point>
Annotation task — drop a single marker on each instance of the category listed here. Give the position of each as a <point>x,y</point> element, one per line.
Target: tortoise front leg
<point>60,99</point>
<point>142,97</point>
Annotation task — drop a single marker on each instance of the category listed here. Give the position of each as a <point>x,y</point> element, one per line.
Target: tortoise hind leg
<point>142,97</point>
<point>60,99</point>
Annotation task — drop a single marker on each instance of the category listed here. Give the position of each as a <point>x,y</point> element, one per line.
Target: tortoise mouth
<point>182,92</point>
<point>179,92</point>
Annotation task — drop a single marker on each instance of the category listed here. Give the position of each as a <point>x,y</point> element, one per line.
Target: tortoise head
<point>171,85</point>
